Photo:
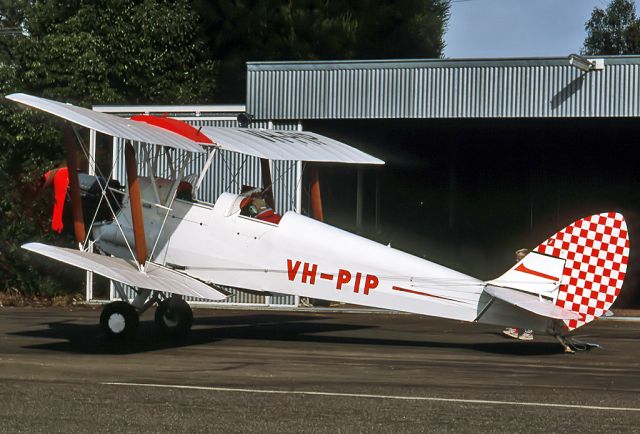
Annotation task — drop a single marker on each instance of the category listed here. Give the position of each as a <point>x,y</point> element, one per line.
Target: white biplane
<point>159,243</point>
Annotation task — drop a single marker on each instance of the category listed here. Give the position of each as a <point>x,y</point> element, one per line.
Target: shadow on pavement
<point>88,339</point>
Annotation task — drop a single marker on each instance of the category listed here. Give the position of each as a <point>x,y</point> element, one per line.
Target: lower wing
<point>156,277</point>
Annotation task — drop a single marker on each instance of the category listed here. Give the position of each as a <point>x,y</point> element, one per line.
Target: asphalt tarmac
<point>272,372</point>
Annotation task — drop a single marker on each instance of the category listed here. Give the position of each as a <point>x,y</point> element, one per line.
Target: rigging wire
<point>281,176</point>
<point>103,189</point>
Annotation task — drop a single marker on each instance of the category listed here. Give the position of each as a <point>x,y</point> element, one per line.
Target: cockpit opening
<point>255,206</point>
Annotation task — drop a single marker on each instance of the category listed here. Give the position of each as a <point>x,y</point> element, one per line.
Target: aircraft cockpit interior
<point>255,206</point>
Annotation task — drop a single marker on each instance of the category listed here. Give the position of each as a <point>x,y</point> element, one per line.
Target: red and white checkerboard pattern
<point>596,253</point>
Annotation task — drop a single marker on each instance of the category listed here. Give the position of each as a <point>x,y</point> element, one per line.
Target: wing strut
<point>135,200</point>
<point>316,199</point>
<point>74,185</point>
<point>267,183</point>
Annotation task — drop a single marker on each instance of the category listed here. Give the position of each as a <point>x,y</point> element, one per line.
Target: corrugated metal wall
<point>443,89</point>
<point>225,175</point>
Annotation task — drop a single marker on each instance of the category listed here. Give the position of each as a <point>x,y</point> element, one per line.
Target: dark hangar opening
<point>468,193</point>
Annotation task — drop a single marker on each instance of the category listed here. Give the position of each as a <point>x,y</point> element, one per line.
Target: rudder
<point>596,253</point>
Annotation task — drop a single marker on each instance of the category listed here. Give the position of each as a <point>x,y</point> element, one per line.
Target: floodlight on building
<point>584,64</point>
<point>244,119</point>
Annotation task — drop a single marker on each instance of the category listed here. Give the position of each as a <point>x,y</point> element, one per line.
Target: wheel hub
<point>171,319</point>
<point>117,322</point>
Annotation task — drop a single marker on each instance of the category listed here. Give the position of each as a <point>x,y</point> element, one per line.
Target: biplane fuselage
<point>301,256</point>
<point>298,256</point>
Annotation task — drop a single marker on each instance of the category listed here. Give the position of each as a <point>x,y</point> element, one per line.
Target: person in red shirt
<point>256,207</point>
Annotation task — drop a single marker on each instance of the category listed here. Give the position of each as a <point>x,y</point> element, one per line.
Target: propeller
<point>59,179</point>
<point>74,185</point>
<point>62,179</point>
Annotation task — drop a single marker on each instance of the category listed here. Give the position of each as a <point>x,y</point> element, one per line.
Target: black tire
<point>174,317</point>
<point>119,320</point>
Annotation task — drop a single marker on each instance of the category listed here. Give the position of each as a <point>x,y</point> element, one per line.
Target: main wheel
<point>119,320</point>
<point>174,317</point>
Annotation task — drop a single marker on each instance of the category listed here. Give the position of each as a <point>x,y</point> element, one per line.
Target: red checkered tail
<point>595,251</point>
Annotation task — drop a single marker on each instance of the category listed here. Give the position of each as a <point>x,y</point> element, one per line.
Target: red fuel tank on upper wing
<point>175,126</point>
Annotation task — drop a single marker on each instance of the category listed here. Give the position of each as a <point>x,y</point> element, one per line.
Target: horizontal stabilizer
<point>157,277</point>
<point>532,303</point>
<point>287,145</point>
<point>108,124</point>
<point>536,273</point>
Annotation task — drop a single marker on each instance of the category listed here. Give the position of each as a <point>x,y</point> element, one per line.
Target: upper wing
<point>287,145</point>
<point>108,124</point>
<point>269,144</point>
<point>156,277</point>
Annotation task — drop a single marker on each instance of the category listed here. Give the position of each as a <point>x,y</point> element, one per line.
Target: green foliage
<point>26,151</point>
<point>400,29</point>
<point>159,51</point>
<point>251,30</point>
<point>24,212</point>
<point>115,51</point>
<point>11,18</point>
<point>85,52</point>
<point>615,30</point>
<point>25,216</point>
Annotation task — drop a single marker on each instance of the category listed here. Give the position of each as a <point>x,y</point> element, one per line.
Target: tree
<point>615,30</point>
<point>11,18</point>
<point>161,51</point>
<point>252,30</point>
<point>401,29</point>
<point>108,51</point>
<point>115,51</point>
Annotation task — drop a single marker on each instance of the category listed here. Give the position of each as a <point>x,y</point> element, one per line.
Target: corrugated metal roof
<point>456,88</point>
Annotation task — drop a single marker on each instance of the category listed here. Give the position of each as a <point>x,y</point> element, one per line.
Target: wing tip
<point>32,246</point>
<point>17,96</point>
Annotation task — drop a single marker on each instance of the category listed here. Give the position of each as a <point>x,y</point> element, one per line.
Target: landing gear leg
<point>174,316</point>
<point>565,344</point>
<point>571,345</point>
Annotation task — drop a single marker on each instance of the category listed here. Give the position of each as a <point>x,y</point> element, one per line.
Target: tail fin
<point>596,253</point>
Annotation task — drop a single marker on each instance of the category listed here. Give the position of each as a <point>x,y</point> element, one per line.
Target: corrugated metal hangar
<point>483,156</point>
<point>426,89</point>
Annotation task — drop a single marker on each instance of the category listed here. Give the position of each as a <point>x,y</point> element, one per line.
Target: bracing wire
<point>103,190</point>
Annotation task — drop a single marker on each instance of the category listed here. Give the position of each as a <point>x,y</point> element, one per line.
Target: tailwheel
<point>119,320</point>
<point>174,317</point>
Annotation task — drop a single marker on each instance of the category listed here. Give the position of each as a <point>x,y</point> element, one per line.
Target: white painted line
<point>363,395</point>
<point>620,318</point>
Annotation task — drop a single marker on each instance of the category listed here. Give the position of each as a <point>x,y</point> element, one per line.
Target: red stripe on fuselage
<point>426,294</point>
